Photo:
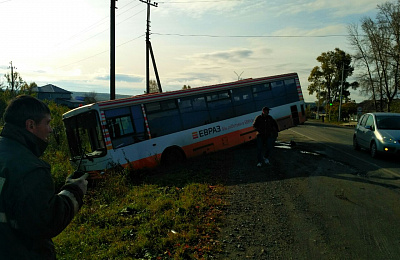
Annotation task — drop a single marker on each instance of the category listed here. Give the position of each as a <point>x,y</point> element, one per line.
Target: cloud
<point>40,71</point>
<point>335,29</point>
<point>198,9</point>
<point>344,8</point>
<point>333,8</point>
<point>233,55</point>
<point>195,79</point>
<point>195,76</point>
<point>122,78</point>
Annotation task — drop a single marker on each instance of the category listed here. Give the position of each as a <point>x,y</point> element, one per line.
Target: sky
<point>195,43</point>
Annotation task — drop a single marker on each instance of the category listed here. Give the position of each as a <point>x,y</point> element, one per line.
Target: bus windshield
<point>84,135</point>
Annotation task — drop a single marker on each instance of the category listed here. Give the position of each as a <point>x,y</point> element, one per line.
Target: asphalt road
<point>336,143</point>
<point>318,199</point>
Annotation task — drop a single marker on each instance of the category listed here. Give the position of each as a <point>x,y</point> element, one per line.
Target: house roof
<point>49,88</point>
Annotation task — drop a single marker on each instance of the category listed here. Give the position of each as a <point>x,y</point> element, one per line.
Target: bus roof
<point>184,92</point>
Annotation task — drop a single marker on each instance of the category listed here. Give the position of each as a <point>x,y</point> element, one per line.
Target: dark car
<point>379,133</point>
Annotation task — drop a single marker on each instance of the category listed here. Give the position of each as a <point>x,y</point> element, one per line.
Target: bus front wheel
<point>172,156</point>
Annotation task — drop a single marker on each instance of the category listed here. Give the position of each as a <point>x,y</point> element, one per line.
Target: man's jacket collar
<point>26,138</point>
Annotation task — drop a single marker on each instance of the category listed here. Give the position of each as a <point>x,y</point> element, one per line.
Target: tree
<point>378,54</point>
<point>349,109</point>
<point>28,88</point>
<point>90,97</point>
<point>329,80</point>
<point>186,87</point>
<point>15,86</point>
<point>317,85</point>
<point>15,82</point>
<point>6,95</point>
<point>153,86</point>
<point>363,60</point>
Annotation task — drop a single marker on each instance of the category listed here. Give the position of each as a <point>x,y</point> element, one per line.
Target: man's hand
<point>81,182</point>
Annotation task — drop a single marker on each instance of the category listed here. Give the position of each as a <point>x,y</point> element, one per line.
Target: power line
<point>214,36</point>
<point>251,36</point>
<point>100,22</point>
<point>106,30</point>
<point>97,54</point>
<point>131,40</point>
<point>132,16</point>
<point>94,25</point>
<point>128,9</point>
<point>83,59</point>
<point>201,1</point>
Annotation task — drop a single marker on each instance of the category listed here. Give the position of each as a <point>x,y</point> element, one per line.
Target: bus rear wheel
<point>172,156</point>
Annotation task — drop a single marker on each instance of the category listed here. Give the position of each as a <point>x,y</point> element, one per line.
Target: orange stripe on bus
<point>214,144</point>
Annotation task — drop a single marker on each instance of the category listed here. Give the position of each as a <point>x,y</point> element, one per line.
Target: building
<point>58,95</point>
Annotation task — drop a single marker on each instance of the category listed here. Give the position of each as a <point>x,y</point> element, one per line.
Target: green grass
<point>164,213</point>
<point>173,213</point>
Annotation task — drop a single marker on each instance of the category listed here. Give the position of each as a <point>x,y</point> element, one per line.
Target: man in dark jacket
<point>267,129</point>
<point>30,211</point>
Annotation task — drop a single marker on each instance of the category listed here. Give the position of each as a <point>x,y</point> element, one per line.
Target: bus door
<point>295,115</point>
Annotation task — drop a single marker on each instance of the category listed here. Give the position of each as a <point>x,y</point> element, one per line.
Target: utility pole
<point>149,50</point>
<point>319,97</point>
<point>341,91</point>
<point>112,49</point>
<point>12,76</point>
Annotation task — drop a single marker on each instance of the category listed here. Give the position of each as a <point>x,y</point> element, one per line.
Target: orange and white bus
<point>146,130</point>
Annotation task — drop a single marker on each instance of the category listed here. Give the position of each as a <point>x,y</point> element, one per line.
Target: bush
<point>57,152</point>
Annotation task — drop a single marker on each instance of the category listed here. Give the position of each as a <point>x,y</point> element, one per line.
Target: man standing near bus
<point>30,211</point>
<point>267,129</point>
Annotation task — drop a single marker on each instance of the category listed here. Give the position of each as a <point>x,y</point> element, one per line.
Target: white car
<point>379,133</point>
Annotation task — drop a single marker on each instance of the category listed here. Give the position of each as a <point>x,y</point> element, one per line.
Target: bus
<point>147,130</point>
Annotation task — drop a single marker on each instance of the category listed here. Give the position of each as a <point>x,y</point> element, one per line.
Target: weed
<point>122,220</point>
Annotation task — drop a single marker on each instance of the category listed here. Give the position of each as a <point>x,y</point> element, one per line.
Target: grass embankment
<point>158,214</point>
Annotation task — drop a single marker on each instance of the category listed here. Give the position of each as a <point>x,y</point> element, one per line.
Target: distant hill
<point>99,96</point>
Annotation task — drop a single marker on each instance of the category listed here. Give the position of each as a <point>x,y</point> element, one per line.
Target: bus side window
<point>193,112</point>
<point>243,101</point>
<point>291,91</point>
<point>165,120</point>
<point>220,106</point>
<point>278,92</point>
<point>262,96</point>
<point>139,124</point>
<point>120,126</point>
